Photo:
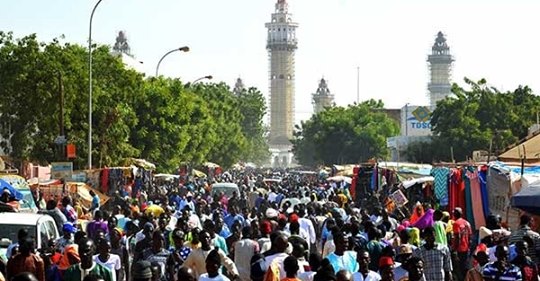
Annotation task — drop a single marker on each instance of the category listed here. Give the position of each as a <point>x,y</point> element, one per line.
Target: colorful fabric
<point>468,198</point>
<point>476,197</point>
<point>105,180</point>
<point>482,177</point>
<point>425,220</point>
<point>440,233</point>
<point>417,213</point>
<point>440,182</point>
<point>457,190</point>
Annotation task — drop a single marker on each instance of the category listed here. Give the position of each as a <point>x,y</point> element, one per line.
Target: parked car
<point>41,227</point>
<point>226,187</point>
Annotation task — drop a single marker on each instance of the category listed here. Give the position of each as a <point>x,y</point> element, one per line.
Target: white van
<point>41,228</point>
<point>227,188</point>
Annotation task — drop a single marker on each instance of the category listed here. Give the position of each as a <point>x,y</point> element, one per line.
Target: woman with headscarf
<point>418,212</point>
<point>414,236</point>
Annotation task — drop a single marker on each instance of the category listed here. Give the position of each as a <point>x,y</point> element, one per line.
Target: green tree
<point>161,120</point>
<point>480,117</point>
<point>172,124</point>
<point>344,135</point>
<point>225,133</point>
<point>252,106</point>
<point>30,100</point>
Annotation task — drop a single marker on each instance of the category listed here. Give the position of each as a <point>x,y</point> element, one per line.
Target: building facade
<point>322,97</point>
<point>440,64</point>
<point>281,46</point>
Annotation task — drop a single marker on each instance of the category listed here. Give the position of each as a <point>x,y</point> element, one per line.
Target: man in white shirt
<point>280,245</point>
<point>364,274</point>
<point>307,225</point>
<point>243,251</point>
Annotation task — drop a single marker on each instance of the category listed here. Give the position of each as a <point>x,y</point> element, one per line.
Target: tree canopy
<point>162,120</point>
<point>341,135</point>
<point>477,118</point>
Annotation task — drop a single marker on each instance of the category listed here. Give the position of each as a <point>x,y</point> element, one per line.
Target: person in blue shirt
<point>341,258</point>
<point>233,216</point>
<point>95,201</point>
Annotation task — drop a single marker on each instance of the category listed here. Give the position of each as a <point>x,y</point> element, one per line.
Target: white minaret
<point>238,86</point>
<point>322,98</point>
<point>281,45</point>
<point>440,62</point>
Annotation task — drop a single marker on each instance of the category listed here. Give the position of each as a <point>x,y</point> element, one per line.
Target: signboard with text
<point>61,170</point>
<point>415,121</point>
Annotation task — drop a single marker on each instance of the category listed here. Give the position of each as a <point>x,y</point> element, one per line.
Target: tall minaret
<point>281,45</point>
<point>440,62</point>
<point>322,98</point>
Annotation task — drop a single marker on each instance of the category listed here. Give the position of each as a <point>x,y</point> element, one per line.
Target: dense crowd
<point>297,228</point>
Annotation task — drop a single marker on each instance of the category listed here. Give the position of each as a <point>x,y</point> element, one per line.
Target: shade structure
<point>528,199</point>
<point>12,190</point>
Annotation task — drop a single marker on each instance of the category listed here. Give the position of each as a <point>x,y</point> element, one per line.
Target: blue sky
<point>388,39</point>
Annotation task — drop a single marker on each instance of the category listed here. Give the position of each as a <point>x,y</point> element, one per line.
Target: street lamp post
<point>209,77</point>
<point>90,86</point>
<point>181,49</point>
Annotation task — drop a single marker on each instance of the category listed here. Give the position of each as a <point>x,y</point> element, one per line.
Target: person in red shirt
<point>26,261</point>
<point>462,232</point>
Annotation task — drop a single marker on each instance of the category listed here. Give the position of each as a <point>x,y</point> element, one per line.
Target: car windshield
<point>9,231</point>
<point>28,200</point>
<point>228,191</point>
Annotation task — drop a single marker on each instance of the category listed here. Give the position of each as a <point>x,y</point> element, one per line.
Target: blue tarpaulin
<point>14,192</point>
<point>527,199</point>
<point>516,169</point>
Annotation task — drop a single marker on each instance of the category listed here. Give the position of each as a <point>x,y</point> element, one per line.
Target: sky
<point>388,40</point>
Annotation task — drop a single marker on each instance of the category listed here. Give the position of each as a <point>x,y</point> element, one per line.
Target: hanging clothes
<point>457,187</point>
<point>469,215</point>
<point>105,180</point>
<point>482,177</point>
<point>374,179</point>
<point>440,184</point>
<point>476,197</point>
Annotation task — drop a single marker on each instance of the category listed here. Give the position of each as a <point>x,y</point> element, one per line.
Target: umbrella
<point>14,192</point>
<point>527,199</point>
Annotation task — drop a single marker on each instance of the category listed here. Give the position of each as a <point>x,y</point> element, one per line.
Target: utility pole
<point>358,85</point>
<point>61,95</point>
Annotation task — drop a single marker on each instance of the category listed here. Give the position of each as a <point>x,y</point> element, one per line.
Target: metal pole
<point>183,49</point>
<point>358,84</point>
<point>61,95</point>
<point>90,86</point>
<point>406,119</point>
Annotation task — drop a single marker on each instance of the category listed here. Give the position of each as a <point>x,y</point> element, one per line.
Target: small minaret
<point>281,45</point>
<point>121,45</point>
<point>322,98</point>
<point>440,62</point>
<point>238,86</point>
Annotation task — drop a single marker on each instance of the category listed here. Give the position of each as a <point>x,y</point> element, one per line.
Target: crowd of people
<point>185,232</point>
